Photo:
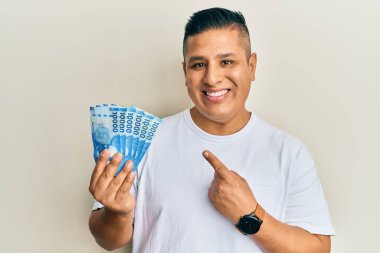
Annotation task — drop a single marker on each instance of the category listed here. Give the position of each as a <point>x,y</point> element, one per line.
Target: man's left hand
<point>229,193</point>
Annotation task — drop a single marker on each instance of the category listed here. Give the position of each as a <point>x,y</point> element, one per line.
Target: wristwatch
<point>249,224</point>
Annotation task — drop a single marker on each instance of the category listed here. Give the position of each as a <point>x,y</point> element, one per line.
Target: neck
<point>227,127</point>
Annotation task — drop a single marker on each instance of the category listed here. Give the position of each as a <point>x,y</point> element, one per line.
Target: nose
<point>213,75</point>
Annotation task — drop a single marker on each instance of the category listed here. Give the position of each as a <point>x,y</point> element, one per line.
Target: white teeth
<point>216,94</point>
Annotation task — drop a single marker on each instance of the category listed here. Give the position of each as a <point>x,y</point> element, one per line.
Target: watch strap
<point>259,212</point>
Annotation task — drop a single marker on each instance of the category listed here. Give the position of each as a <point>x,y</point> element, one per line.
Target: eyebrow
<point>196,58</point>
<point>221,56</point>
<point>225,55</point>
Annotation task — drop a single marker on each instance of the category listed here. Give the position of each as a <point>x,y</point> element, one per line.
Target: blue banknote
<point>138,117</point>
<point>151,130</point>
<point>142,136</point>
<point>128,130</point>
<point>105,130</point>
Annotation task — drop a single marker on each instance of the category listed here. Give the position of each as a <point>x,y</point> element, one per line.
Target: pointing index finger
<point>218,166</point>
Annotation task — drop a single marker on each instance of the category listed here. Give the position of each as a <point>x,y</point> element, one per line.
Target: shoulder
<point>167,130</point>
<point>291,151</point>
<point>173,119</point>
<point>170,123</point>
<point>276,137</point>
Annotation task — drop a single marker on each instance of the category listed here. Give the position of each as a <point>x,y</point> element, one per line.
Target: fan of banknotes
<point>127,130</point>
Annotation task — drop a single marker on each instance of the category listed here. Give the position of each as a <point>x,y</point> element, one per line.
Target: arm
<point>231,195</point>
<point>275,236</point>
<point>111,230</point>
<point>112,225</point>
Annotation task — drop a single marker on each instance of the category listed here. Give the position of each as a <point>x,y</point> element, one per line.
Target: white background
<point>317,78</point>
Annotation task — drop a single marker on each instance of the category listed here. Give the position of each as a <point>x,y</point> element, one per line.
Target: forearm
<point>275,237</point>
<point>111,231</point>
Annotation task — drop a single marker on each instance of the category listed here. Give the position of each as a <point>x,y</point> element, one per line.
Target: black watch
<point>250,224</point>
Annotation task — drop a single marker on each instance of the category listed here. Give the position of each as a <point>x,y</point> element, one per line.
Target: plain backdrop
<point>317,78</point>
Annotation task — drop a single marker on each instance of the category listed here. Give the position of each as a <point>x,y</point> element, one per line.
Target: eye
<point>227,62</point>
<point>198,65</point>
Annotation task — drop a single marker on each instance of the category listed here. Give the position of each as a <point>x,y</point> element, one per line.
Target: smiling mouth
<point>217,93</point>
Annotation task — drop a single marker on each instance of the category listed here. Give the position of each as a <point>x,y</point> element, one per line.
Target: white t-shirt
<point>173,212</point>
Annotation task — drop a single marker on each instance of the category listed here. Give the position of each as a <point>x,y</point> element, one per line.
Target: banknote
<point>105,133</point>
<point>128,130</point>
<point>151,129</point>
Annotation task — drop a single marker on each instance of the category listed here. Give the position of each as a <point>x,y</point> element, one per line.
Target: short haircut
<point>216,18</point>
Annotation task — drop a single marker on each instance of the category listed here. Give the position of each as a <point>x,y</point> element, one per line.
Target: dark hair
<point>215,18</point>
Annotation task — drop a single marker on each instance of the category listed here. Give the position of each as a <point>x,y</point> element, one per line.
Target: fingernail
<point>205,153</point>
<point>105,152</point>
<point>117,156</point>
<point>129,164</point>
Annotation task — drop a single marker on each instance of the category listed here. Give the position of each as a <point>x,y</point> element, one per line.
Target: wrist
<point>250,223</point>
<point>247,209</point>
<point>115,214</point>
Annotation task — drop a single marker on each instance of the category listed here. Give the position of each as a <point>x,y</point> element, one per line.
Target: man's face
<point>218,73</point>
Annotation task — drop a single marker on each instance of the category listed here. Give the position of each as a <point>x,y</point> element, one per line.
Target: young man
<point>216,178</point>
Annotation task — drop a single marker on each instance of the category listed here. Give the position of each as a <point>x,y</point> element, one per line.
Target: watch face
<point>249,225</point>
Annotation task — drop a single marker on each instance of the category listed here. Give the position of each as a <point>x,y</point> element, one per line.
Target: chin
<point>220,116</point>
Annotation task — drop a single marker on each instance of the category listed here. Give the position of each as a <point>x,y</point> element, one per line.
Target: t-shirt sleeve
<point>307,206</point>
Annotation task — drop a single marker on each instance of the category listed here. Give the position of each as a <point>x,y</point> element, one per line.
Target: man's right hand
<point>113,191</point>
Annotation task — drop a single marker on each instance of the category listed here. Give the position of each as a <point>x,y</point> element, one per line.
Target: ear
<point>252,65</point>
<point>184,68</point>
